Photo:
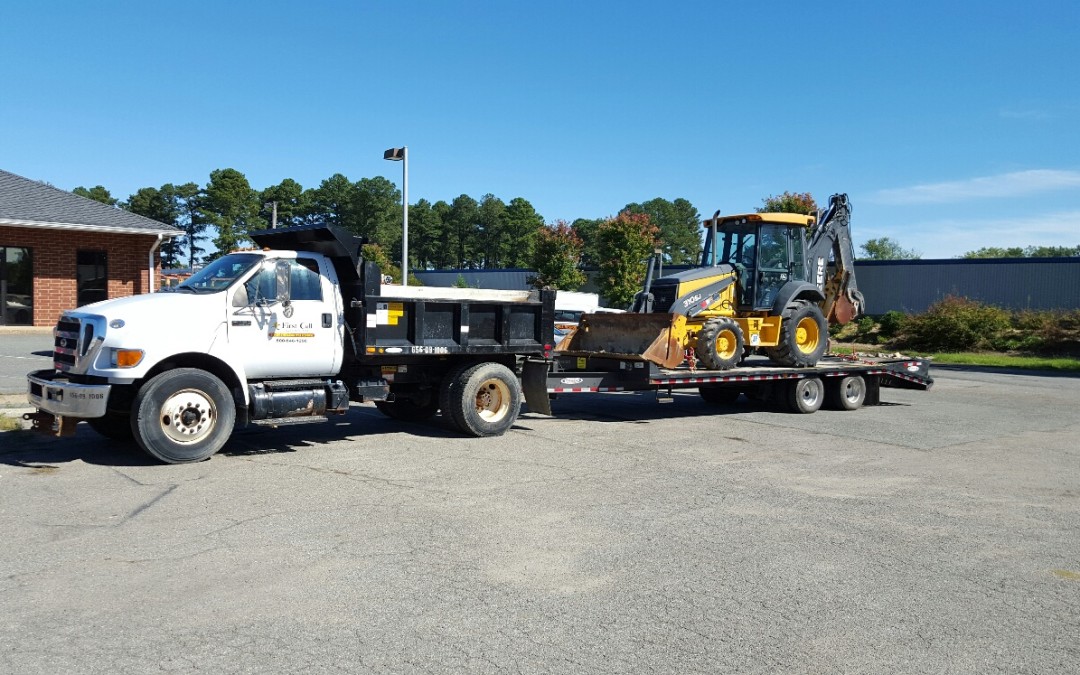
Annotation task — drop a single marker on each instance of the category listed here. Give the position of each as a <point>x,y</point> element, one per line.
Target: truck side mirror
<point>283,274</point>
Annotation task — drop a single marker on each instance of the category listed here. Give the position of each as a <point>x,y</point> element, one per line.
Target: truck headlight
<point>126,358</point>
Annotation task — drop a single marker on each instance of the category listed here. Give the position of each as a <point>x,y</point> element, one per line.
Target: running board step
<point>286,421</point>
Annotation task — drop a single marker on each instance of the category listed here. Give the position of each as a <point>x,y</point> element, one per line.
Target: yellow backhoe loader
<point>767,281</point>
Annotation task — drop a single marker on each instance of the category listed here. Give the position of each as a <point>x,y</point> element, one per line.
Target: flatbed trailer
<point>838,382</point>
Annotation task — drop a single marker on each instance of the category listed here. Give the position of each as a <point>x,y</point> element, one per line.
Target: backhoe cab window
<point>219,274</point>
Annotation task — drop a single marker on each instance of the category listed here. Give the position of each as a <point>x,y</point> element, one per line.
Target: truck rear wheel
<point>482,400</point>
<point>183,415</point>
<point>720,344</point>
<point>803,332</point>
<point>805,395</point>
<point>846,393</point>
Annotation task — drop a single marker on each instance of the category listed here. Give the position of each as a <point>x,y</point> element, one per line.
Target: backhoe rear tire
<point>803,336</point>
<point>720,344</point>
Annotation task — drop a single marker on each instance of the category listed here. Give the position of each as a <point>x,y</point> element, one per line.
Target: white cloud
<point>1026,114</point>
<point>952,237</point>
<point>1016,184</point>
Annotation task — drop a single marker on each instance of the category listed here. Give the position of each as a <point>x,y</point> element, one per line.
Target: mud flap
<point>652,337</point>
<point>534,385</point>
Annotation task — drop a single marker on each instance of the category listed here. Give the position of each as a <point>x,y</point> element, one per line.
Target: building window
<point>91,278</point>
<point>16,286</point>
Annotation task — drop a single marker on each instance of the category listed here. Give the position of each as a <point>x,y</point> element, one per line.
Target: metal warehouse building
<point>909,286</point>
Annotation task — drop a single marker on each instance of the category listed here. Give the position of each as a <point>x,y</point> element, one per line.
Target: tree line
<point>464,233</point>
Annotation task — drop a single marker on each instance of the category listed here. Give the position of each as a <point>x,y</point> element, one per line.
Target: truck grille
<point>71,341</point>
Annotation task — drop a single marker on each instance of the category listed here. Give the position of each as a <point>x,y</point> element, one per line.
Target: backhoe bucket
<point>651,337</point>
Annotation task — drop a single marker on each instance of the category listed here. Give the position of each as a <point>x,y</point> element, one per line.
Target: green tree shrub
<point>955,324</point>
<point>891,324</point>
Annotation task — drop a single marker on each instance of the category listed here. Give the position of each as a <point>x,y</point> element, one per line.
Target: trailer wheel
<point>115,425</point>
<point>803,333</point>
<point>847,393</point>
<point>720,344</point>
<point>805,395</point>
<point>418,409</point>
<point>183,415</point>
<point>484,400</point>
<point>714,395</point>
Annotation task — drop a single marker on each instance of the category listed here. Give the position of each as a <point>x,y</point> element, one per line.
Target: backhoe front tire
<point>183,415</point>
<point>803,336</point>
<point>720,344</point>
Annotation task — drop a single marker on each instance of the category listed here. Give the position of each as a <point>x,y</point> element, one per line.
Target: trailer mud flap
<point>657,337</point>
<point>534,385</point>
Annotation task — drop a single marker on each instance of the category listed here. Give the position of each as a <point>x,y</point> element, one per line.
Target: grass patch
<point>10,423</point>
<point>995,360</point>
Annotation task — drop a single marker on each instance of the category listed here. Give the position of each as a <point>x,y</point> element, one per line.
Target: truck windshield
<point>220,274</point>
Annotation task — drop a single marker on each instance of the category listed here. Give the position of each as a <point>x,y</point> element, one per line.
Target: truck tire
<point>418,409</point>
<point>484,399</point>
<point>805,395</point>
<point>803,332</point>
<point>720,344</point>
<point>115,425</point>
<point>183,415</point>
<point>846,393</point>
<point>716,395</point>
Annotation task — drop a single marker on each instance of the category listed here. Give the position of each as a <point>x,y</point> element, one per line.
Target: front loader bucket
<point>650,337</point>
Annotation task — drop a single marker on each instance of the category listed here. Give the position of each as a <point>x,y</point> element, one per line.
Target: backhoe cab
<point>766,281</point>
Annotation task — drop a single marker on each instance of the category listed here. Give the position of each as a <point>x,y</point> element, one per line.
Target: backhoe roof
<point>786,218</point>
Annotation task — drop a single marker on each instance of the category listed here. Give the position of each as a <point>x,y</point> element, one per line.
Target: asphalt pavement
<point>937,533</point>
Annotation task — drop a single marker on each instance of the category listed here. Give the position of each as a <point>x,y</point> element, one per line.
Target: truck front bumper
<point>52,392</point>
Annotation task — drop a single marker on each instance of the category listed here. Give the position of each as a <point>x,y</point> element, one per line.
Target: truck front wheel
<point>183,415</point>
<point>483,400</point>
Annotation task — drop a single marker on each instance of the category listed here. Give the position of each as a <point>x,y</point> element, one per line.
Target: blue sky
<point>951,125</point>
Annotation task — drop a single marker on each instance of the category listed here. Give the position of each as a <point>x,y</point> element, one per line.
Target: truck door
<point>275,340</point>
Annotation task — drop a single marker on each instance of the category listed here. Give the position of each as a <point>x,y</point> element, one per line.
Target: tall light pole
<point>402,155</point>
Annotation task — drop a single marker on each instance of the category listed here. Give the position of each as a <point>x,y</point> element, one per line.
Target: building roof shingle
<point>29,203</point>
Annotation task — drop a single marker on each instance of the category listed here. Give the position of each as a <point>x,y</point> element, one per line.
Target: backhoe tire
<point>484,400</point>
<point>805,395</point>
<point>418,409</point>
<point>720,344</point>
<point>845,393</point>
<point>716,395</point>
<point>183,415</point>
<point>803,336</point>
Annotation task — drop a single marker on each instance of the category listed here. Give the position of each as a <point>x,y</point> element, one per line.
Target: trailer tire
<point>114,425</point>
<point>484,399</point>
<point>409,409</point>
<point>720,344</point>
<point>803,336</point>
<point>846,393</point>
<point>805,395</point>
<point>714,395</point>
<point>183,415</point>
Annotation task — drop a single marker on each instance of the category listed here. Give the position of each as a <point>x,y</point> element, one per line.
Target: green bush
<point>891,324</point>
<point>956,324</point>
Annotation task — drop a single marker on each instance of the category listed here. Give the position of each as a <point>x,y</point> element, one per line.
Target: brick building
<point>59,251</point>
